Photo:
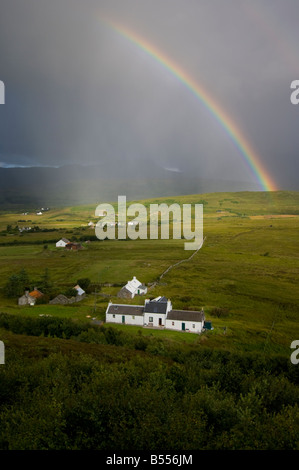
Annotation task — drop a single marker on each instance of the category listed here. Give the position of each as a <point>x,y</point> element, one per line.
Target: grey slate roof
<point>186,315</point>
<point>155,306</point>
<point>117,309</point>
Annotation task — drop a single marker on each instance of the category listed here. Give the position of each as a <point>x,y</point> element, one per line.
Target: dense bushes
<point>77,402</point>
<point>165,398</point>
<point>45,326</point>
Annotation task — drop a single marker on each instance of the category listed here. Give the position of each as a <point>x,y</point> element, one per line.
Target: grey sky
<point>78,92</point>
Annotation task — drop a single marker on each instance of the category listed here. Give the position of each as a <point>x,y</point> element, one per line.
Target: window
<point>133,317</point>
<point>113,316</point>
<point>193,325</point>
<point>150,319</point>
<point>172,323</point>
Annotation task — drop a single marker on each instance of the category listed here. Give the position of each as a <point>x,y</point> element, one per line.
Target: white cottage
<point>185,320</point>
<point>132,288</point>
<point>156,313</point>
<point>62,243</point>
<point>126,314</point>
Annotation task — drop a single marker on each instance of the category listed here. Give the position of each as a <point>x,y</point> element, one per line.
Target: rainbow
<point>249,155</point>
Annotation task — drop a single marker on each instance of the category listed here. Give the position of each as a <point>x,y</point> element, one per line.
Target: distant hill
<point>76,184</point>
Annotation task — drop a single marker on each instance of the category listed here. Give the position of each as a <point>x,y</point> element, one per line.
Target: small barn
<point>72,246</point>
<point>156,311</point>
<point>59,300</point>
<point>30,298</point>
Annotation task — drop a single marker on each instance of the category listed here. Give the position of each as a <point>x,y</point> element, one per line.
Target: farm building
<point>72,246</point>
<point>26,299</point>
<point>62,243</point>
<point>61,299</point>
<point>157,313</point>
<point>128,314</point>
<point>132,288</point>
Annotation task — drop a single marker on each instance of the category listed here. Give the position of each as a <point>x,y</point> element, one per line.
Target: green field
<point>71,381</point>
<point>248,266</point>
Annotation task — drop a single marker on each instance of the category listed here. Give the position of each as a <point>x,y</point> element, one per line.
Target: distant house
<point>39,213</point>
<point>157,313</point>
<point>72,246</point>
<point>26,299</point>
<point>90,224</point>
<point>30,298</point>
<point>62,243</point>
<point>132,288</point>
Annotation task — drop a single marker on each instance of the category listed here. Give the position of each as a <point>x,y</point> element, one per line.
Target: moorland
<point>71,381</point>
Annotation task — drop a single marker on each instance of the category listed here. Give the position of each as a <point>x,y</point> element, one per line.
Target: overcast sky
<point>79,92</point>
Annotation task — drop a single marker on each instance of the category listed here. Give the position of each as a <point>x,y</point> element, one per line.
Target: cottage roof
<point>36,294</point>
<point>186,315</point>
<point>79,290</point>
<point>59,299</point>
<point>65,240</point>
<point>118,309</point>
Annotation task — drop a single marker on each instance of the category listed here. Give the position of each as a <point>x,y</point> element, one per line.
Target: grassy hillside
<point>70,382</point>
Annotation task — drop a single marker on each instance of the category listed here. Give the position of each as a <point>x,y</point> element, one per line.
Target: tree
<point>46,283</point>
<point>17,284</point>
<point>84,283</point>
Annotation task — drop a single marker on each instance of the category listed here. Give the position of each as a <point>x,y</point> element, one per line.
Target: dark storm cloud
<point>78,92</point>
